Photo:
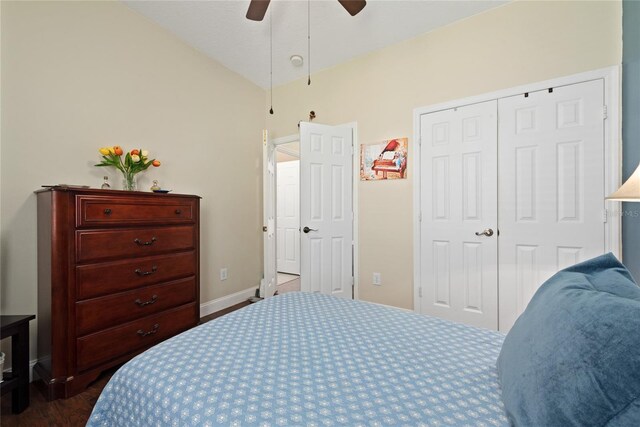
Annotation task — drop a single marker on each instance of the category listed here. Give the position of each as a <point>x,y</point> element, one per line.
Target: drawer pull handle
<point>151,301</point>
<point>107,211</point>
<point>141,243</point>
<point>151,332</point>
<point>146,273</point>
<point>178,211</point>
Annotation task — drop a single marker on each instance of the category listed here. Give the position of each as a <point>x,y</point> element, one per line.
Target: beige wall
<point>80,75</point>
<point>515,44</point>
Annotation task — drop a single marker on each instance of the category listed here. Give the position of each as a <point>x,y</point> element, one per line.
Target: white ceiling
<point>220,30</point>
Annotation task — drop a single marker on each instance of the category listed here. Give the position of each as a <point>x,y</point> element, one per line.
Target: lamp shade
<point>630,190</point>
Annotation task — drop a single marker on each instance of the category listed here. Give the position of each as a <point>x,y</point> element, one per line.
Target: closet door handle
<point>307,229</point>
<point>486,232</point>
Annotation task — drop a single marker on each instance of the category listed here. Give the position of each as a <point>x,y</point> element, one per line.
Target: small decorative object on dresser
<point>135,161</point>
<point>117,273</point>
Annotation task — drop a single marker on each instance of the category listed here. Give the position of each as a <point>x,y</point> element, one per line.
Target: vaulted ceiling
<point>220,30</point>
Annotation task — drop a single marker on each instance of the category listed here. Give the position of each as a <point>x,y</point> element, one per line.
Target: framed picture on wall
<point>384,160</point>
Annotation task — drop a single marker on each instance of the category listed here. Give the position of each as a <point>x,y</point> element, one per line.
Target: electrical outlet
<point>223,273</point>
<point>377,279</point>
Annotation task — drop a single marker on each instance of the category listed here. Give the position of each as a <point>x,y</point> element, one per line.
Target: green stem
<point>129,178</point>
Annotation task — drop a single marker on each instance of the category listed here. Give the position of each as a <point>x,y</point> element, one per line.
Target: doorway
<point>327,230</point>
<point>288,217</point>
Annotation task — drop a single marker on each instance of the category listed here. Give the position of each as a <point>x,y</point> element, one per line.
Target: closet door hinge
<point>605,115</point>
<point>605,216</point>
<point>420,292</point>
<point>420,216</point>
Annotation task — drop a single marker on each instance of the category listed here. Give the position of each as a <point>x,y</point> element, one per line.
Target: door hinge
<point>420,292</point>
<point>420,216</point>
<point>353,282</point>
<point>605,216</point>
<point>605,112</point>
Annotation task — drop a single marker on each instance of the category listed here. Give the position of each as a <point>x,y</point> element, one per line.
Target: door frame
<point>612,148</point>
<point>355,181</point>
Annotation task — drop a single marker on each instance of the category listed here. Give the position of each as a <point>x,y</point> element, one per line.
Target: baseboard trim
<point>218,304</point>
<point>32,363</point>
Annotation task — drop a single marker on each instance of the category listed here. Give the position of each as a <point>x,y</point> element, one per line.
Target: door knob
<point>307,229</point>
<point>486,232</point>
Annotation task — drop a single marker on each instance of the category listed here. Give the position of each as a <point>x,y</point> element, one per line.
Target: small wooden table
<point>17,327</point>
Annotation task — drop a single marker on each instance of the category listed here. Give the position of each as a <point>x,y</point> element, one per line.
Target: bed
<point>310,359</point>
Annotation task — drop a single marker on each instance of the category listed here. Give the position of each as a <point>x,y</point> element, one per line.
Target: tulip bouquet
<point>134,162</point>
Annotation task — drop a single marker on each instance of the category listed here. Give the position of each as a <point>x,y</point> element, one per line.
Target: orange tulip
<point>156,163</point>
<point>135,151</point>
<point>117,150</point>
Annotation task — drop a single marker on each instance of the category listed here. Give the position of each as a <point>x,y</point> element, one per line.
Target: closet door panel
<point>551,188</point>
<point>458,200</point>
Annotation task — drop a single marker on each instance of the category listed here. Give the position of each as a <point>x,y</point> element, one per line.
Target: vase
<point>129,183</point>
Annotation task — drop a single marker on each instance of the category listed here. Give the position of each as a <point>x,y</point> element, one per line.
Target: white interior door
<point>326,211</point>
<point>288,210</point>
<point>551,188</point>
<point>269,282</point>
<point>459,214</point>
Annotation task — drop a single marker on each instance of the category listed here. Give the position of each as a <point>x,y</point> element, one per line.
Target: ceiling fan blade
<point>353,6</point>
<point>257,9</point>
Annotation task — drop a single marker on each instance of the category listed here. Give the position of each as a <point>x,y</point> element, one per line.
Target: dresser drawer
<point>100,211</point>
<point>103,244</point>
<point>108,344</point>
<point>101,313</point>
<point>95,280</point>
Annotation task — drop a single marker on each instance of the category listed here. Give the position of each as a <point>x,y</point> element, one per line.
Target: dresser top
<point>101,192</point>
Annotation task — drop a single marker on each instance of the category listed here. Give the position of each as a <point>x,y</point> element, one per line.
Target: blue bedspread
<point>308,359</point>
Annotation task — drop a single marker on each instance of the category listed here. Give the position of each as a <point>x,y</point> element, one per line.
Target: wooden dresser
<point>118,271</point>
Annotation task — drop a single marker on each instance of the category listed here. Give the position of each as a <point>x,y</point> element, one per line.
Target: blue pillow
<point>573,357</point>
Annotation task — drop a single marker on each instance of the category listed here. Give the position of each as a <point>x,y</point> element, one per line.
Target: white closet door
<point>459,201</point>
<point>551,169</point>
<point>288,202</point>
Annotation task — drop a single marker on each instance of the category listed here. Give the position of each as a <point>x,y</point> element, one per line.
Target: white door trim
<point>285,140</point>
<point>356,181</point>
<point>288,152</point>
<point>269,196</point>
<point>612,144</point>
<point>269,274</point>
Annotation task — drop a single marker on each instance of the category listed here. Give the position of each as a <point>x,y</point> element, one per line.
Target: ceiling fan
<point>258,8</point>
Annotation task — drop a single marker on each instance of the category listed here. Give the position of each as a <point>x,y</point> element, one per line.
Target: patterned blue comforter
<point>309,359</point>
